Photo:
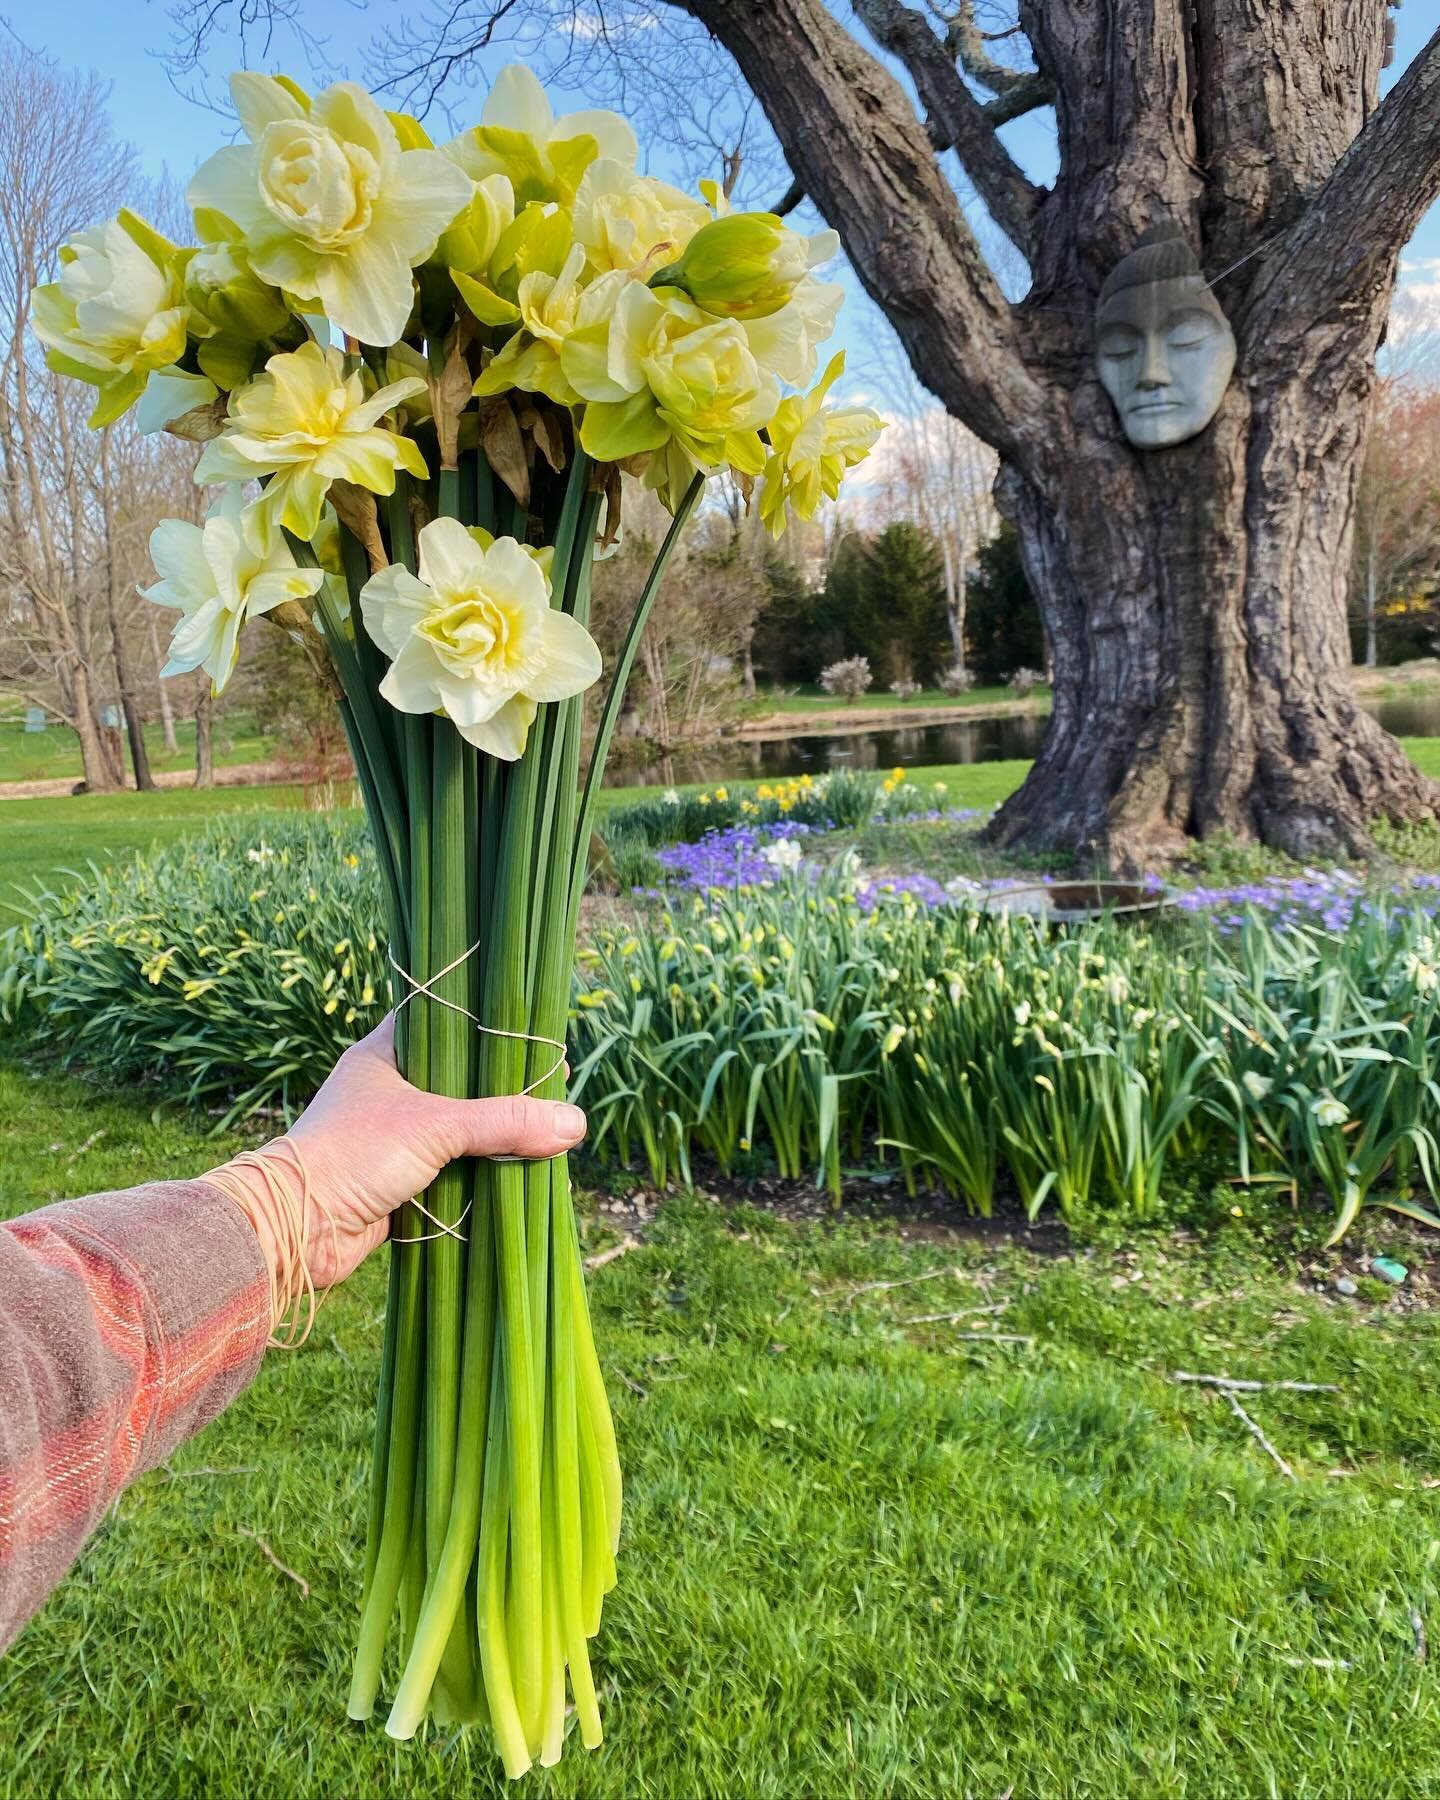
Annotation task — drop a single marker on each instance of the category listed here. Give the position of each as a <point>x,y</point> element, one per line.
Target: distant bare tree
<point>1397,512</point>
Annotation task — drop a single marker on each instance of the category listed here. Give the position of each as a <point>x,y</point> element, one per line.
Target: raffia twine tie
<point>426,990</point>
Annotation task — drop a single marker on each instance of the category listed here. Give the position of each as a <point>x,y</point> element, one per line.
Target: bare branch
<point>955,114</point>
<point>1340,255</point>
<point>852,138</point>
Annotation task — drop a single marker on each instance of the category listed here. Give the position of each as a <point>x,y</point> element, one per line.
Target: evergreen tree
<point>1003,631</point>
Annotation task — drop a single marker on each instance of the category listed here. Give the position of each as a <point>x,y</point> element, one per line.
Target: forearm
<point>127,1322</point>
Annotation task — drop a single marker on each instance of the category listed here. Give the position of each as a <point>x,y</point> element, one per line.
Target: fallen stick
<point>601,1257</point>
<point>269,1554</point>
<point>1422,1642</point>
<point>874,1287</point>
<point>994,1337</point>
<point>1318,1662</point>
<point>951,1318</point>
<point>190,1474</point>
<point>1256,1387</point>
<point>1259,1435</point>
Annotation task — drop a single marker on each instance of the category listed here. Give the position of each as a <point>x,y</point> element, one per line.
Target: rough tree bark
<point>134,725</point>
<point>1194,597</point>
<point>204,737</point>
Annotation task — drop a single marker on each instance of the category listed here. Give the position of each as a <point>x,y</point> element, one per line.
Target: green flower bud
<point>745,265</point>
<point>229,297</point>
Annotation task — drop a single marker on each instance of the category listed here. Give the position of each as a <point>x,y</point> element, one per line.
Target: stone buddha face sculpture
<point>1164,350</point>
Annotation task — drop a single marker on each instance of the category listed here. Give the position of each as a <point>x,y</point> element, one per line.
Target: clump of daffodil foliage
<point>418,372</point>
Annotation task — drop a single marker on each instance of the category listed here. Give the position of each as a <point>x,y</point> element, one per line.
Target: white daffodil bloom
<point>217,575</point>
<point>307,423</point>
<point>783,853</point>
<point>169,395</point>
<point>474,636</point>
<point>1329,1111</point>
<point>329,205</point>
<point>116,314</point>
<point>788,342</point>
<point>543,157</point>
<point>633,222</point>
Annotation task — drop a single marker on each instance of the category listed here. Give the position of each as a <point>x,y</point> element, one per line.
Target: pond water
<point>962,741</point>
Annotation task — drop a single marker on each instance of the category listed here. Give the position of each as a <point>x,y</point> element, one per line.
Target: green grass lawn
<point>862,1556</point>
<point>54,754</point>
<point>815,699</point>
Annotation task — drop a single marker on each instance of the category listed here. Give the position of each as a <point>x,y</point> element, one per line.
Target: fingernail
<point>570,1120</point>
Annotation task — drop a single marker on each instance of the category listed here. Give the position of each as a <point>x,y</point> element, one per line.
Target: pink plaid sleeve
<point>127,1321</point>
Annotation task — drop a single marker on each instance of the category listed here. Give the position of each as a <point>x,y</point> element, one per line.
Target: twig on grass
<point>951,1318</point>
<point>1259,1435</point>
<point>1422,1641</point>
<point>993,1337</point>
<point>874,1287</point>
<point>1318,1662</point>
<point>186,1474</point>
<point>1256,1387</point>
<point>601,1257</point>
<point>270,1556</point>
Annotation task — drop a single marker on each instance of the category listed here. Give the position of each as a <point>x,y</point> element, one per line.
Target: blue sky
<point>172,133</point>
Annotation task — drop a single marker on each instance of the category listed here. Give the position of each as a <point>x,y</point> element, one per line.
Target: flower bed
<point>812,1018</point>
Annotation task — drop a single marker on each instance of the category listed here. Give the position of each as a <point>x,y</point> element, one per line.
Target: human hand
<point>370,1141</point>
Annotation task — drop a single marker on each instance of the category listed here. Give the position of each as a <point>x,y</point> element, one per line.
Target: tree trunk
<point>96,762</point>
<point>1194,598</point>
<point>135,730</point>
<point>205,738</point>
<point>1194,605</point>
<point>167,711</point>
<point>747,665</point>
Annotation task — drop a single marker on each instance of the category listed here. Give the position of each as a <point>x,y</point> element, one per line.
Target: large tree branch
<point>1339,256</point>
<point>1033,91</point>
<point>859,151</point>
<point>956,115</point>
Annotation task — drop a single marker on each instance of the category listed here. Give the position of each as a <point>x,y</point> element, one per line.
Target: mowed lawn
<point>864,1555</point>
<point>54,754</point>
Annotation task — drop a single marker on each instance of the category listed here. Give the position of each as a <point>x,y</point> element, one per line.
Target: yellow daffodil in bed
<point>218,575</point>
<point>306,423</point>
<point>474,636</point>
<point>329,204</point>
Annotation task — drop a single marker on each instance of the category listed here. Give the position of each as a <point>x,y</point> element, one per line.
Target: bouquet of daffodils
<point>418,374</point>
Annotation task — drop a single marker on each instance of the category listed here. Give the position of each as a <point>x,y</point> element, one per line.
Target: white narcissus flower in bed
<point>474,636</point>
<point>329,205</point>
<point>307,423</point>
<point>234,567</point>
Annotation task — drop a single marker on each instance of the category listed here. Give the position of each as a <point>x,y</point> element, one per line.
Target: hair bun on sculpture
<point>1162,254</point>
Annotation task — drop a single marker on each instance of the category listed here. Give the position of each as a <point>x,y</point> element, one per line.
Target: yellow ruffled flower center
<point>478,630</point>
<point>318,186</point>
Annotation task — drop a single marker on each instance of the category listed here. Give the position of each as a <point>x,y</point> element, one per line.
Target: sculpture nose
<point>1155,366</point>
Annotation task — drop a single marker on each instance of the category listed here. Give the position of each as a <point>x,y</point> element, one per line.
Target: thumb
<point>508,1125</point>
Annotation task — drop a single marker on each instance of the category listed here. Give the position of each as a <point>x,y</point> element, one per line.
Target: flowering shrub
<point>956,681</point>
<point>1025,681</point>
<point>847,679</point>
<point>905,689</point>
